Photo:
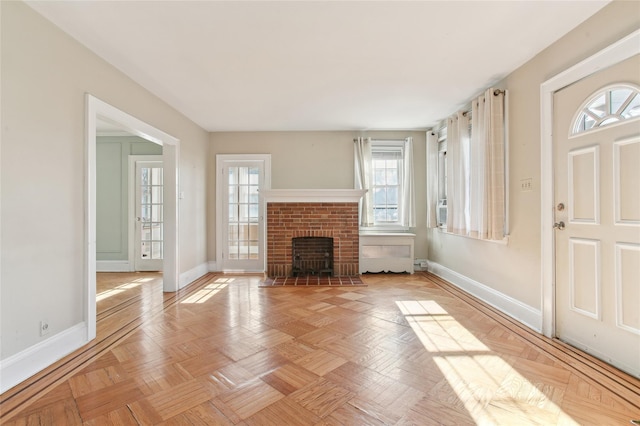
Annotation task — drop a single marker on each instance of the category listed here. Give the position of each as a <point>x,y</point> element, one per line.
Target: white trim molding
<point>611,55</point>
<point>313,195</point>
<point>97,109</point>
<point>19,367</point>
<point>527,315</point>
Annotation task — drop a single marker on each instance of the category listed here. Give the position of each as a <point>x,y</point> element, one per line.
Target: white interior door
<point>597,199</point>
<point>242,226</point>
<point>149,223</point>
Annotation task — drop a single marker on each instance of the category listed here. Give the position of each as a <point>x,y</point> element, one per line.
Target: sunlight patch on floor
<point>437,330</point>
<point>206,292</point>
<point>479,383</point>
<point>121,288</point>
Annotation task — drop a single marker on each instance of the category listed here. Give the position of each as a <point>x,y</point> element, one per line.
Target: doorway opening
<point>98,110</point>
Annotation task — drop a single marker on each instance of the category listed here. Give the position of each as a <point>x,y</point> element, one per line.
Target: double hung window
<point>386,182</point>
<point>385,169</point>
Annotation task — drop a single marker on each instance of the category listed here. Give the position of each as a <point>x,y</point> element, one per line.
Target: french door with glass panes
<point>242,225</point>
<point>148,248</point>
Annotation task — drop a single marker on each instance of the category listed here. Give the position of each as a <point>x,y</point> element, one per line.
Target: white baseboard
<point>193,274</point>
<point>19,367</point>
<point>522,312</point>
<point>213,267</point>
<point>113,266</point>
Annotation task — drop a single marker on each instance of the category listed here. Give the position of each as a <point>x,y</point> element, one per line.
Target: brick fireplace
<point>312,213</point>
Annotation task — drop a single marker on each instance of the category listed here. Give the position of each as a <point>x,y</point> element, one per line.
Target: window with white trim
<point>386,181</point>
<point>384,169</point>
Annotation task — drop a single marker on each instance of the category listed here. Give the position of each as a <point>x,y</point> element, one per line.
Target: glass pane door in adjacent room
<point>149,216</point>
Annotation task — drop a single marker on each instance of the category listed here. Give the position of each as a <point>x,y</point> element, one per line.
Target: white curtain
<point>476,164</point>
<point>477,225</point>
<point>495,164</point>
<point>408,187</point>
<point>432,179</point>
<point>487,167</point>
<point>362,155</point>
<point>458,174</point>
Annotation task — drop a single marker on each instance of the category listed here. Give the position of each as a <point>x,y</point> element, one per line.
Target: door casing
<point>94,109</point>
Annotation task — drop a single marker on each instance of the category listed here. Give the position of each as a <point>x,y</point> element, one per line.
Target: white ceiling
<point>324,65</point>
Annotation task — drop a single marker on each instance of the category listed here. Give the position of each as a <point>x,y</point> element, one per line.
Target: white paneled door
<point>597,212</point>
<point>149,228</point>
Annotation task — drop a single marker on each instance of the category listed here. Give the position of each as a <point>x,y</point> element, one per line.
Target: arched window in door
<point>608,106</point>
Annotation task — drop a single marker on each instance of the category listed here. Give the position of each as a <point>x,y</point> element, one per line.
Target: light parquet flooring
<point>405,350</point>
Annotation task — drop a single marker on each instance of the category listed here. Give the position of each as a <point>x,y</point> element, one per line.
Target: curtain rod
<point>386,140</point>
<point>495,93</point>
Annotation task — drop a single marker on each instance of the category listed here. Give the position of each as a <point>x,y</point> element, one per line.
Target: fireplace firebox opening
<point>312,256</point>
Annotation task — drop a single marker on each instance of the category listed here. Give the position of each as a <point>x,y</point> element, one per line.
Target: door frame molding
<point>220,160</point>
<point>96,108</point>
<point>617,52</point>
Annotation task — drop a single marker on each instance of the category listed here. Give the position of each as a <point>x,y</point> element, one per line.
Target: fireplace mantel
<point>312,195</point>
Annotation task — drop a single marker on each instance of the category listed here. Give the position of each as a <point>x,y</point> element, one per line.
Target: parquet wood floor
<point>405,350</point>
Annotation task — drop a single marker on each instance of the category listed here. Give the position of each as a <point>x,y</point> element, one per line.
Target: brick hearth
<point>287,220</point>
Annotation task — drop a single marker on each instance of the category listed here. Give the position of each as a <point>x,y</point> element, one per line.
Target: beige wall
<point>45,75</point>
<point>313,160</point>
<point>514,269</point>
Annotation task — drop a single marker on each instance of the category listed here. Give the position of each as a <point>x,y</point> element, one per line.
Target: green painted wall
<point>112,199</point>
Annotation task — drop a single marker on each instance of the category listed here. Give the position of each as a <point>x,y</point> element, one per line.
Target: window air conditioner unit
<point>442,212</point>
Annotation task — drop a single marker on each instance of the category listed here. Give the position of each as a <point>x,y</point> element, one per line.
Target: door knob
<point>560,207</point>
<point>559,225</point>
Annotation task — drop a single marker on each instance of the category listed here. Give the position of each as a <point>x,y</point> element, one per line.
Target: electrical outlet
<point>44,327</point>
<point>419,264</point>
<point>526,185</point>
